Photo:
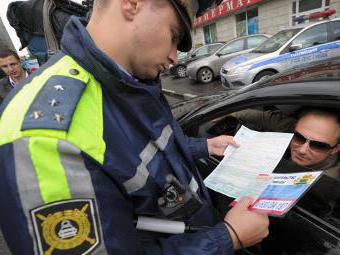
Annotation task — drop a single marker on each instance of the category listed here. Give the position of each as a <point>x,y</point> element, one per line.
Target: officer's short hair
<point>8,52</point>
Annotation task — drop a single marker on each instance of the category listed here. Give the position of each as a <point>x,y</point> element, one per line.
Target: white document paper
<point>259,153</point>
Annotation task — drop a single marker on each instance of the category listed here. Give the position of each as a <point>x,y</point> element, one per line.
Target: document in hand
<point>283,192</point>
<point>247,170</point>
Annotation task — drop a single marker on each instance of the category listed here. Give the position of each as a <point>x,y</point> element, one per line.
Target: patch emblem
<point>66,227</point>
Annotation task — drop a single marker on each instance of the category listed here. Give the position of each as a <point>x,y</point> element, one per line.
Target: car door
<point>310,46</point>
<point>228,51</point>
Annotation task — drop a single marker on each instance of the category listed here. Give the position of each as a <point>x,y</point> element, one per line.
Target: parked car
<point>184,58</point>
<point>286,49</point>
<point>206,69</point>
<point>312,226</point>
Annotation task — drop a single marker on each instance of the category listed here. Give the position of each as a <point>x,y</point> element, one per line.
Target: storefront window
<point>307,5</point>
<point>247,22</point>
<point>301,8</point>
<point>210,35</point>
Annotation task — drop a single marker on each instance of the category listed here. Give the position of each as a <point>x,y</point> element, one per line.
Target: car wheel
<point>205,75</point>
<point>263,74</point>
<point>181,71</point>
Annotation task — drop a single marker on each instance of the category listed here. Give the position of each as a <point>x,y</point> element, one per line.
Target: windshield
<point>181,55</point>
<point>276,41</point>
<point>207,49</point>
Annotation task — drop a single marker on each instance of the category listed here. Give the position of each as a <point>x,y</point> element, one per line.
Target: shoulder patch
<point>66,227</point>
<point>55,104</point>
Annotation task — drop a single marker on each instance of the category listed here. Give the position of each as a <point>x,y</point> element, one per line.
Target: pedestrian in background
<point>11,65</point>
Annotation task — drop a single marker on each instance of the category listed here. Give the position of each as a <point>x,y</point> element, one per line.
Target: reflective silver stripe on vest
<point>193,185</point>
<point>163,140</point>
<point>142,173</point>
<point>27,182</point>
<point>79,181</point>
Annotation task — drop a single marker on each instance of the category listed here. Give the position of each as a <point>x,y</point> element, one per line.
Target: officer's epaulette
<point>54,105</point>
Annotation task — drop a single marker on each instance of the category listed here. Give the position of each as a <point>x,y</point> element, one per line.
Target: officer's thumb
<point>245,202</point>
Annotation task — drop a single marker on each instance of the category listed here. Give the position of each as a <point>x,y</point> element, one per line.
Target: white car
<point>287,49</point>
<point>206,69</point>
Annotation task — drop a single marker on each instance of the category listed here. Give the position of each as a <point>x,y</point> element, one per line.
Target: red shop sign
<point>226,7</point>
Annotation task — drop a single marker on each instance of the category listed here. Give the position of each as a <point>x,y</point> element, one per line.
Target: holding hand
<point>217,145</point>
<point>250,227</point>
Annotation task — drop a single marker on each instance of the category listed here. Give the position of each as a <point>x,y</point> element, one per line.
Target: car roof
<point>246,36</point>
<point>313,93</point>
<point>309,24</point>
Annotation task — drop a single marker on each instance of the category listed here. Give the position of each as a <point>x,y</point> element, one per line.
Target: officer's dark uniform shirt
<point>92,152</point>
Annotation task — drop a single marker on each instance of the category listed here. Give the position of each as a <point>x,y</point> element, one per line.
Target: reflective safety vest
<point>57,114</point>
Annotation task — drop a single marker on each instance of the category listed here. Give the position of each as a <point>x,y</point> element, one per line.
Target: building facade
<point>233,18</point>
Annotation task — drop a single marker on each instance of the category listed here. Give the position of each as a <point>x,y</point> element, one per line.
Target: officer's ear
<point>130,8</point>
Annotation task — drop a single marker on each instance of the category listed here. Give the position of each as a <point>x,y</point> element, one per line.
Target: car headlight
<point>224,71</point>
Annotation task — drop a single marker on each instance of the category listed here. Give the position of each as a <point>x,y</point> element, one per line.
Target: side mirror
<point>193,55</point>
<point>295,47</point>
<point>219,54</point>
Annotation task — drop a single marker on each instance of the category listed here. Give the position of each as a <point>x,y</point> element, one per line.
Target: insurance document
<point>258,154</point>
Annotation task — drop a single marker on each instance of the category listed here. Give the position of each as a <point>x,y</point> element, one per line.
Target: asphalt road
<point>187,88</point>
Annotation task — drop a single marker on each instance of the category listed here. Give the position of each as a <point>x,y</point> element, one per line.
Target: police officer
<point>87,142</point>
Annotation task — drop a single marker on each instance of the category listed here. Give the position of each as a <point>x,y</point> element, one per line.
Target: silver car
<point>184,58</point>
<point>287,49</point>
<point>206,69</point>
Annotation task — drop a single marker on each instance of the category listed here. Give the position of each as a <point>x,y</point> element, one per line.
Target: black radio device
<point>178,201</point>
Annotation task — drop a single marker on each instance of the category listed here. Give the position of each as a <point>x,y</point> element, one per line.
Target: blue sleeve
<point>198,147</point>
<point>212,242</point>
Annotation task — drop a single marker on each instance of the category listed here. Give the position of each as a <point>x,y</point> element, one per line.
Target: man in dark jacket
<point>10,64</point>
<point>93,140</point>
<point>315,143</point>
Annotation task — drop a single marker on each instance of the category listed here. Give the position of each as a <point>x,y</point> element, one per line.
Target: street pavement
<point>177,89</point>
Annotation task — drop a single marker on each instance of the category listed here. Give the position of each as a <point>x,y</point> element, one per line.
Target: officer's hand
<point>251,227</point>
<point>217,145</point>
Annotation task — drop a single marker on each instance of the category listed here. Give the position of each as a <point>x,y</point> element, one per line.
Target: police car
<point>287,49</point>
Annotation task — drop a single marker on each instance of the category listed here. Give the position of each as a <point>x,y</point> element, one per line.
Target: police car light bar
<point>314,15</point>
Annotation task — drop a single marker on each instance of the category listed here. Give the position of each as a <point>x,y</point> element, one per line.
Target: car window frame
<point>199,49</point>
<point>331,31</point>
<point>229,43</point>
<point>290,43</point>
<point>214,47</point>
<point>286,43</point>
